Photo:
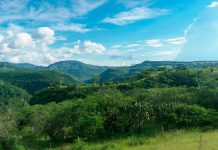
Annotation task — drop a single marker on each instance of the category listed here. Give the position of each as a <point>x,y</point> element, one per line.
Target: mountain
<point>19,65</point>
<point>34,80</point>
<point>78,69</point>
<point>28,66</point>
<point>123,73</point>
<point>84,72</point>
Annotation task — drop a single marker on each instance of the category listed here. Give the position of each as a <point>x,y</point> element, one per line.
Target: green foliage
<point>171,98</point>
<point>9,124</point>
<point>59,94</point>
<point>207,98</point>
<point>179,77</point>
<point>112,104</point>
<point>125,73</point>
<point>183,116</point>
<point>34,80</point>
<point>9,92</point>
<point>78,120</point>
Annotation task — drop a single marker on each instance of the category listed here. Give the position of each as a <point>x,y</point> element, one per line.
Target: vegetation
<point>77,69</point>
<point>34,80</point>
<point>173,140</point>
<point>157,104</point>
<point>123,73</point>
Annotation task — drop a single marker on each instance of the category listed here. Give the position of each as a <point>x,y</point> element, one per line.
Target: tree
<point>96,79</point>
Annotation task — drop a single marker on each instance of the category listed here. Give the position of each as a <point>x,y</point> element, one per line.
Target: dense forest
<point>51,105</point>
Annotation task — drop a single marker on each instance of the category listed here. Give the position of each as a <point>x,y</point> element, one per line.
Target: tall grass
<point>173,140</point>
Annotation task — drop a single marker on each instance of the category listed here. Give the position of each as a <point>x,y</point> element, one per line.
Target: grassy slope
<point>173,140</point>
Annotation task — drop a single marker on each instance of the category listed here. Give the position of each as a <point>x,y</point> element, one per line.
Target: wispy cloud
<point>133,45</point>
<point>201,36</point>
<point>213,4</point>
<point>74,27</point>
<point>25,10</point>
<point>136,3</point>
<point>169,53</point>
<point>16,10</point>
<point>135,14</point>
<point>82,7</point>
<point>154,43</point>
<point>116,46</point>
<point>177,41</point>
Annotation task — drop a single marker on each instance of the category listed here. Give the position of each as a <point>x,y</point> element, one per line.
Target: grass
<point>173,140</point>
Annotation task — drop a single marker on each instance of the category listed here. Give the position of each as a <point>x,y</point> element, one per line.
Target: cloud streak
<point>136,3</point>
<point>25,10</point>
<point>73,27</point>
<point>135,14</point>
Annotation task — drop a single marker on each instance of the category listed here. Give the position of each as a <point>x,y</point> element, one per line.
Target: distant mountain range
<point>122,73</point>
<point>33,78</point>
<point>75,71</point>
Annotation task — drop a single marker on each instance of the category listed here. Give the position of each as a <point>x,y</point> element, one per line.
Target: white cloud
<point>74,27</point>
<point>177,41</point>
<point>133,45</point>
<point>213,4</point>
<point>45,35</point>
<point>92,47</point>
<point>135,14</point>
<point>34,47</point>
<point>1,38</point>
<point>154,43</point>
<point>21,41</point>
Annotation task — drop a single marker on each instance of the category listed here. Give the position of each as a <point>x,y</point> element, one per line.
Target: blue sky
<point>108,32</point>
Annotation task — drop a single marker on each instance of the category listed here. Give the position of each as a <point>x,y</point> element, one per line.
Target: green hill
<point>123,73</point>
<point>78,69</point>
<point>34,80</point>
<point>19,66</point>
<point>9,92</point>
<point>85,72</point>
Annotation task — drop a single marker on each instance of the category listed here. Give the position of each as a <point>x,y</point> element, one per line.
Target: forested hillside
<point>34,80</point>
<point>78,69</point>
<point>86,73</point>
<point>123,73</point>
<point>9,93</point>
<point>156,100</point>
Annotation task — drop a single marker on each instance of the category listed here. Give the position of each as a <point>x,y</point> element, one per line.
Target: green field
<point>173,140</point>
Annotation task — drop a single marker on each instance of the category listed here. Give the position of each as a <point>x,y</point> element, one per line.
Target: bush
<point>175,115</point>
<point>80,119</point>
